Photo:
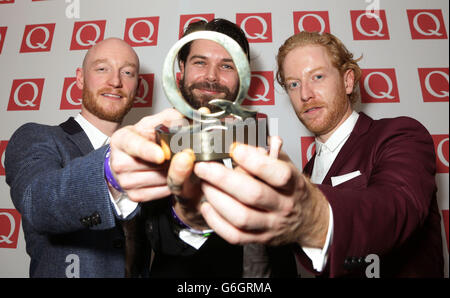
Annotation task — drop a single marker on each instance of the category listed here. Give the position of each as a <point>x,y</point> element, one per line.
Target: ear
<point>349,81</point>
<point>80,78</point>
<point>181,66</point>
<point>139,80</point>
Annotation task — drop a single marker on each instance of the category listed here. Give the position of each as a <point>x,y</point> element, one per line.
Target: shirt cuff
<point>123,205</point>
<point>319,256</point>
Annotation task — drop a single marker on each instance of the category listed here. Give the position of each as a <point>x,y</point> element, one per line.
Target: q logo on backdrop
<point>261,91</point>
<point>308,145</point>
<point>3,145</point>
<point>142,32</point>
<point>434,84</point>
<point>379,86</point>
<point>9,228</point>
<point>2,37</point>
<point>25,95</point>
<point>256,26</point>
<point>426,24</point>
<point>441,147</point>
<point>187,19</point>
<point>71,97</point>
<point>37,38</point>
<point>369,26</point>
<point>87,34</point>
<point>312,21</point>
<point>144,96</point>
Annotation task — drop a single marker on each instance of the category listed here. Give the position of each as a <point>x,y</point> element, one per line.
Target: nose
<point>306,93</point>
<point>211,74</point>
<point>115,80</point>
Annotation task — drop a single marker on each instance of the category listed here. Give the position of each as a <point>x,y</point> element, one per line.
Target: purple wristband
<point>184,225</point>
<point>108,174</point>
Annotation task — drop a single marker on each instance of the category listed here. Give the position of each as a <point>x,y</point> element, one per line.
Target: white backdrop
<point>405,68</point>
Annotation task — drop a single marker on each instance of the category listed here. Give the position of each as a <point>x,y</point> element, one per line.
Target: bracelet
<point>204,233</point>
<point>108,173</point>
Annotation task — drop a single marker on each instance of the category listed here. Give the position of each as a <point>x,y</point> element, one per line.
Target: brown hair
<point>341,58</point>
<point>218,25</point>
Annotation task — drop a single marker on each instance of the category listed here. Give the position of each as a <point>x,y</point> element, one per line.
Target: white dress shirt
<point>326,153</point>
<point>123,205</point>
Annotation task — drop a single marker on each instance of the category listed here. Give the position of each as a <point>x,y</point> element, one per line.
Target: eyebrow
<point>99,61</point>
<point>311,71</point>
<point>204,57</point>
<point>106,61</point>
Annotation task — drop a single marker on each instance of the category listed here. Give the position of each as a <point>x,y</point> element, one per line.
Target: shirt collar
<point>96,137</point>
<point>340,135</point>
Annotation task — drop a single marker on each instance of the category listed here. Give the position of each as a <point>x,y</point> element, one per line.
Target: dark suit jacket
<point>57,184</point>
<point>215,258</point>
<point>391,209</point>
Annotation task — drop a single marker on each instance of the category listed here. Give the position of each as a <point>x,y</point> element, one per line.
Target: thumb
<point>180,169</point>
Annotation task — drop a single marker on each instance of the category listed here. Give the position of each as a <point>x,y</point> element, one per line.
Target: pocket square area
<point>336,180</point>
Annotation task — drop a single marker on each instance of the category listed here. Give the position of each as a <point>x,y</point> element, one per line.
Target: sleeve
<point>319,256</point>
<point>52,192</point>
<point>394,203</point>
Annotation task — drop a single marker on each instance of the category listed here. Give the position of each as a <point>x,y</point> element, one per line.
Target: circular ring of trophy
<point>210,135</point>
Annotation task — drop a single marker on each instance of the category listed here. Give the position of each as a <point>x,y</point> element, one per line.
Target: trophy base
<point>212,141</point>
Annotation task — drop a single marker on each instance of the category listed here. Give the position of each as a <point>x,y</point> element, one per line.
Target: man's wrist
<point>317,220</point>
<point>188,213</point>
<point>109,176</point>
<point>180,220</point>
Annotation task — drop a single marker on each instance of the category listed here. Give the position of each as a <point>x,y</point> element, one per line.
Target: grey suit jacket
<point>58,186</point>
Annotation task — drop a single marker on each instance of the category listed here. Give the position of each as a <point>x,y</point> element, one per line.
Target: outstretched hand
<point>267,201</point>
<point>138,161</point>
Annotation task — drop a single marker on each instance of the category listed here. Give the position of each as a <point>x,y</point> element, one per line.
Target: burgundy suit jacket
<point>390,209</point>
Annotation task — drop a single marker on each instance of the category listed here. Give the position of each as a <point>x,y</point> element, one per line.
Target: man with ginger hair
<point>368,190</point>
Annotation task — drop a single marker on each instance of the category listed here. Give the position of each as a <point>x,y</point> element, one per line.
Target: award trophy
<point>210,135</point>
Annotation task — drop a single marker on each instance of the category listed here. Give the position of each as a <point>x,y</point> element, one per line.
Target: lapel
<point>307,169</point>
<point>77,135</point>
<point>361,127</point>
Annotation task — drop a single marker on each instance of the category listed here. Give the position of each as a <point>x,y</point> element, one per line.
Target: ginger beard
<point>334,113</point>
<point>114,111</point>
<point>203,101</point>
